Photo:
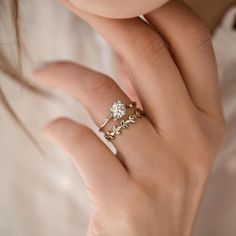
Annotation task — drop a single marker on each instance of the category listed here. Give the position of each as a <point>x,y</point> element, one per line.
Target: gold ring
<point>124,124</point>
<point>118,110</point>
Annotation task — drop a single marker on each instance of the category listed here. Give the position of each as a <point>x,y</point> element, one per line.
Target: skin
<point>210,11</point>
<point>153,185</point>
<point>117,9</point>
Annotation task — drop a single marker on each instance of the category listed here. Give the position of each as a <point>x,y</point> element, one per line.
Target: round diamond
<point>118,110</point>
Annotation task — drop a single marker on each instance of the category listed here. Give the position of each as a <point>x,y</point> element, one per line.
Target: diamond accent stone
<point>118,110</point>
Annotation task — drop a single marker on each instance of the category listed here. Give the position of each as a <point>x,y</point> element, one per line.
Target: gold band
<point>124,124</point>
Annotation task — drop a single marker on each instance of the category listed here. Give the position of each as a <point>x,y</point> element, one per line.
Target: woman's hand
<point>153,185</point>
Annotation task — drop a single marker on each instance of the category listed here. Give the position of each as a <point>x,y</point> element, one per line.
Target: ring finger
<point>97,92</point>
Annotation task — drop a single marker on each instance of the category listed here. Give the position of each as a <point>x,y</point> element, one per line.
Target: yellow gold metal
<point>124,124</point>
<point>105,123</point>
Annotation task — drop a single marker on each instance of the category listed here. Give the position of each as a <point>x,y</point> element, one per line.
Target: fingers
<point>97,92</point>
<point>191,46</point>
<point>123,78</point>
<point>98,167</point>
<point>154,74</point>
<point>94,90</point>
<point>116,9</point>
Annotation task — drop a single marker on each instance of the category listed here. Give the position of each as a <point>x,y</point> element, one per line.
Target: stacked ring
<point>124,124</point>
<point>118,111</point>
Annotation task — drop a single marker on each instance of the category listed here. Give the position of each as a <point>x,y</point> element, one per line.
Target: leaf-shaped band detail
<point>124,124</point>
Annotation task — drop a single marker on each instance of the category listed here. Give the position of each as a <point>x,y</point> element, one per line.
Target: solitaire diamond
<point>118,110</point>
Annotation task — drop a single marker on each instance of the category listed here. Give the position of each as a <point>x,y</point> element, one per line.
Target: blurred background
<point>41,194</point>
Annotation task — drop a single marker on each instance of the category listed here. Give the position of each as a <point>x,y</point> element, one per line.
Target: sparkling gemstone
<point>118,110</point>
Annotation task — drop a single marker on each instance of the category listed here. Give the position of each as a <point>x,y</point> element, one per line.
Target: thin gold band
<point>124,124</point>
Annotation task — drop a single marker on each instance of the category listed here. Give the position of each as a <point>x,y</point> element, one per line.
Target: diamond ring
<point>118,111</point>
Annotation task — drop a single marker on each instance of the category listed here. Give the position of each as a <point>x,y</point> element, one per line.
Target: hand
<point>153,185</point>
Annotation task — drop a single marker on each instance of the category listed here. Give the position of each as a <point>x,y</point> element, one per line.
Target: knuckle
<point>149,47</point>
<point>200,163</point>
<point>198,33</point>
<point>103,88</point>
<point>206,146</point>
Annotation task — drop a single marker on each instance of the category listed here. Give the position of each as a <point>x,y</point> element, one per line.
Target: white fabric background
<point>42,195</point>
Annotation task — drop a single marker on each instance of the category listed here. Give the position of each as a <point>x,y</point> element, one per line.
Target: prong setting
<point>118,110</point>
